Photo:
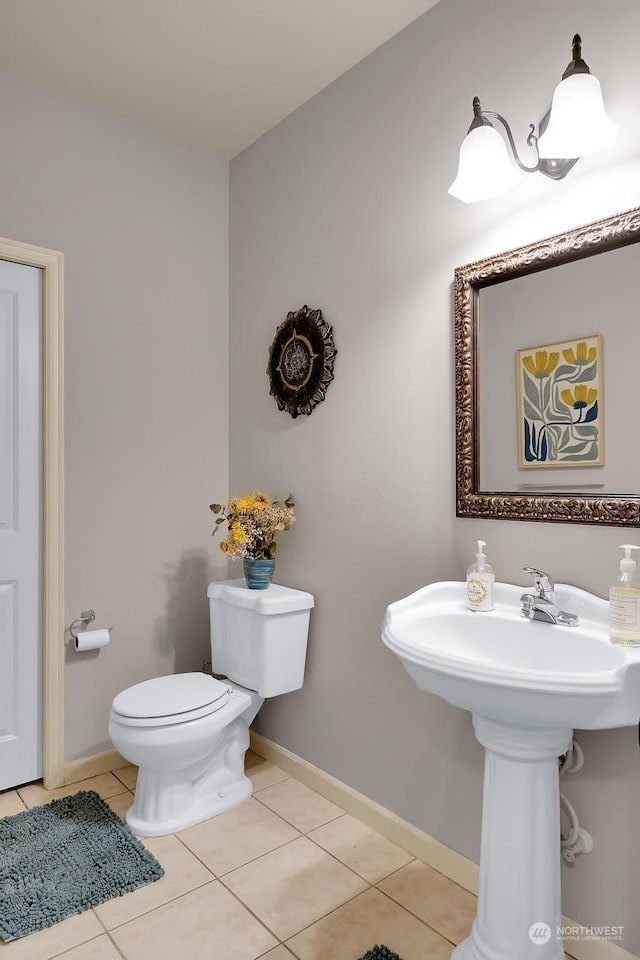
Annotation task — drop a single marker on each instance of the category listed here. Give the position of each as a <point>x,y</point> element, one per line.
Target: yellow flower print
<point>583,396</point>
<point>582,357</point>
<point>545,363</point>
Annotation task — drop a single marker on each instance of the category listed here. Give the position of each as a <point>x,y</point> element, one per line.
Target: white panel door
<point>20,524</point>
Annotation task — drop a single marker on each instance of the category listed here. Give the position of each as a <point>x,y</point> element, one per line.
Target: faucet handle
<point>543,582</point>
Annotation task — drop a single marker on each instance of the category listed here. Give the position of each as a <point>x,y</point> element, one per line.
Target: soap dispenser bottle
<point>480,582</point>
<point>624,601</point>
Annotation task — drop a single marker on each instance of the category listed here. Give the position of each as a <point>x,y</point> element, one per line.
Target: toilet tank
<point>259,637</point>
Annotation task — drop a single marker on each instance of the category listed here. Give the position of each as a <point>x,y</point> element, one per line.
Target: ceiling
<point>215,74</point>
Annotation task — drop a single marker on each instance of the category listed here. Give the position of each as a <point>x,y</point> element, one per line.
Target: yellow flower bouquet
<point>254,521</point>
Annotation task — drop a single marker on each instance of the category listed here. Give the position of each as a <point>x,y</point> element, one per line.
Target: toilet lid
<point>180,693</point>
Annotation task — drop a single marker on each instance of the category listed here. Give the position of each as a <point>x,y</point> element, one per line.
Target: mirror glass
<point>547,358</point>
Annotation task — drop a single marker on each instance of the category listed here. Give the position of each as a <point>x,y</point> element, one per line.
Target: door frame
<point>51,262</point>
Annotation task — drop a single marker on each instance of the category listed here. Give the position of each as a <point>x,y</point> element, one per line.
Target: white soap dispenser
<point>624,601</point>
<point>480,582</point>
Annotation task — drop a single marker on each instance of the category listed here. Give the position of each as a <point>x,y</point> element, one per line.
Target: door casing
<point>51,262</point>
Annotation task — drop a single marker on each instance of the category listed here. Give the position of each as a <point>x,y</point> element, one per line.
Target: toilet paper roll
<point>92,640</point>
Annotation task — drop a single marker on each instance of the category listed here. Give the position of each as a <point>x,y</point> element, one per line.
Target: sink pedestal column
<point>519,899</point>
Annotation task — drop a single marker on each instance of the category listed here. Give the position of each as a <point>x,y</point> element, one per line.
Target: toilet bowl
<point>172,728</point>
<point>188,733</point>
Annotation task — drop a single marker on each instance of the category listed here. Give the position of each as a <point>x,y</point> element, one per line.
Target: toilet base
<point>206,776</point>
<point>196,809</point>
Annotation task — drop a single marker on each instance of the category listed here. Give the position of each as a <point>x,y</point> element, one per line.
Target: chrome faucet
<point>541,605</point>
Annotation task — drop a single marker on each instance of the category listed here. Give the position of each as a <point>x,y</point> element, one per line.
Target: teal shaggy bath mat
<point>380,953</point>
<point>63,858</point>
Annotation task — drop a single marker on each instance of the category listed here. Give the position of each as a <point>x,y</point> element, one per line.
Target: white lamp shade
<point>578,124</point>
<point>485,170</point>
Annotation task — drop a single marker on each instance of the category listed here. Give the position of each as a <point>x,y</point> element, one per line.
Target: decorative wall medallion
<point>301,361</point>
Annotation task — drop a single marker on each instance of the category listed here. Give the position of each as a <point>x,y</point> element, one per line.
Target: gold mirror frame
<point>585,241</point>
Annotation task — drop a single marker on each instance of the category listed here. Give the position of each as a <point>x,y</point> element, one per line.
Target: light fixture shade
<point>485,170</point>
<point>578,124</point>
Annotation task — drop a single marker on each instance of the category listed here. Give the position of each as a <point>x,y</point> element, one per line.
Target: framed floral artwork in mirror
<point>560,404</point>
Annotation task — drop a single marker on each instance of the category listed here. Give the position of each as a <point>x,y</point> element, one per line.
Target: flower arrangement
<point>254,521</point>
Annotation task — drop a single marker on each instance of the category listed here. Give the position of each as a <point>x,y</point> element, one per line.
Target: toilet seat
<point>178,698</point>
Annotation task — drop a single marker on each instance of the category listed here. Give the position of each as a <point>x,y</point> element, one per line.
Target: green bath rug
<point>380,953</point>
<point>63,858</point>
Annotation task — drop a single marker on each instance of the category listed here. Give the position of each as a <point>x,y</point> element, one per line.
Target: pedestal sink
<point>527,685</point>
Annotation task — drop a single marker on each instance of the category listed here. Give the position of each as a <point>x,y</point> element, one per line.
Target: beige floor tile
<point>293,886</point>
<point>10,803</point>
<point>369,919</point>
<point>99,949</point>
<point>261,772</point>
<point>359,847</point>
<point>53,940</point>
<point>120,803</point>
<point>208,922</point>
<point>127,775</point>
<point>280,953</point>
<point>237,837</point>
<point>298,804</point>
<point>438,901</point>
<point>182,872</point>
<point>106,785</point>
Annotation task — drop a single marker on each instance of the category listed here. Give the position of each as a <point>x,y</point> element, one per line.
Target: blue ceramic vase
<point>258,573</point>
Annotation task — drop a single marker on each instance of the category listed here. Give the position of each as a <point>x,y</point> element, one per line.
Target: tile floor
<point>288,874</point>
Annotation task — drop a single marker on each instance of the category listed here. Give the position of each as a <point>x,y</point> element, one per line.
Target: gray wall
<point>143,224</point>
<point>344,206</point>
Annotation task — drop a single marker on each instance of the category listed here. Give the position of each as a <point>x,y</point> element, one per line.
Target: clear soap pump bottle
<point>480,582</point>
<point>624,601</point>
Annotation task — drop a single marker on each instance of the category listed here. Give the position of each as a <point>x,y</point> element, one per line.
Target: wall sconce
<point>575,126</point>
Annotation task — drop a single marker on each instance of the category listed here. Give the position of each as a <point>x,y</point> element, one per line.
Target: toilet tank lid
<point>275,599</point>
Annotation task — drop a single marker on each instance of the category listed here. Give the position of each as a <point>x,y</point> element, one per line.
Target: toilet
<point>188,733</point>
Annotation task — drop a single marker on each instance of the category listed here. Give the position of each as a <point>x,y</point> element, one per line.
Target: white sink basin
<point>504,667</point>
<point>527,684</point>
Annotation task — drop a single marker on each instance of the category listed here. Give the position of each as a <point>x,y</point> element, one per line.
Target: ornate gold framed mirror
<point>547,367</point>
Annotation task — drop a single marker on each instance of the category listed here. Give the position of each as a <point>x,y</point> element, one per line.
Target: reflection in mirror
<point>547,364</point>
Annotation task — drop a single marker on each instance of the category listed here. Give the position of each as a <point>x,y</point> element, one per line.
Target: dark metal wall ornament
<point>301,361</point>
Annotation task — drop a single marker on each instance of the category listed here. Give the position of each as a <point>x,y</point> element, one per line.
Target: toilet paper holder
<point>86,617</point>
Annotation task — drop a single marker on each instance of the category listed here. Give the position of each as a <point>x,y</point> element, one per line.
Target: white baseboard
<point>453,865</point>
